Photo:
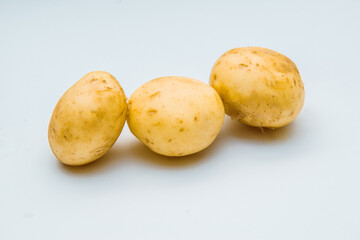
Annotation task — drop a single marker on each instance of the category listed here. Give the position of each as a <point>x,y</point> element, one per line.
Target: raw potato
<point>175,116</point>
<point>88,119</point>
<point>259,87</point>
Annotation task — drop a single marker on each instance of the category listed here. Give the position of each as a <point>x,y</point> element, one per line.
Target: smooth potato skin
<point>175,116</point>
<point>259,87</point>
<point>88,119</point>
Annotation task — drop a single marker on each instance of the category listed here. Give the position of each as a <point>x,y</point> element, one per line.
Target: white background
<point>298,182</point>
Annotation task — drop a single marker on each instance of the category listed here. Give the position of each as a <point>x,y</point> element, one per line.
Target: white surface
<point>299,182</point>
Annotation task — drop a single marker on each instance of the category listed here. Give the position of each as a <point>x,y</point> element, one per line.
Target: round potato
<point>259,87</point>
<point>88,119</point>
<point>175,116</point>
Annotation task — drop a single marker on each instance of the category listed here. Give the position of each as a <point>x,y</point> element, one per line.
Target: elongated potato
<point>88,119</point>
<point>175,116</point>
<point>259,87</point>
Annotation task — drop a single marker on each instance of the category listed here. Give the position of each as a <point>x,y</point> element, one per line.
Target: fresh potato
<point>175,116</point>
<point>259,87</point>
<point>88,119</point>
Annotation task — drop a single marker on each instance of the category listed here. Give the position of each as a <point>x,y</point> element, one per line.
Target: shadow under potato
<point>236,129</point>
<point>135,150</point>
<point>142,153</point>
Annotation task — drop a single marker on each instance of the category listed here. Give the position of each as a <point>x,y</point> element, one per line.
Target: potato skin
<point>259,87</point>
<point>175,116</point>
<point>88,119</point>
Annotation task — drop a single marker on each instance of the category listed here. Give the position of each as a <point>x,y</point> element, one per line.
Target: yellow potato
<point>88,119</point>
<point>259,87</point>
<point>175,116</point>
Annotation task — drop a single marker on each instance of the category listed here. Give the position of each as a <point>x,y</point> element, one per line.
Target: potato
<point>259,87</point>
<point>175,116</point>
<point>88,119</point>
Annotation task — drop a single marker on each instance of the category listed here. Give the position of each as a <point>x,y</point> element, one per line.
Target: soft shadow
<point>145,155</point>
<point>135,150</point>
<point>236,129</point>
<point>110,159</point>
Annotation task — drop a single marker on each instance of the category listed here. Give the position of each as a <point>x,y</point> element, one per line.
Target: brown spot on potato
<point>154,94</point>
<point>122,112</point>
<point>99,151</point>
<point>214,76</point>
<point>181,130</point>
<point>106,89</point>
<point>294,82</point>
<point>152,111</point>
<point>243,65</point>
<point>170,140</point>
<point>100,114</point>
<point>257,65</point>
<point>195,118</point>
